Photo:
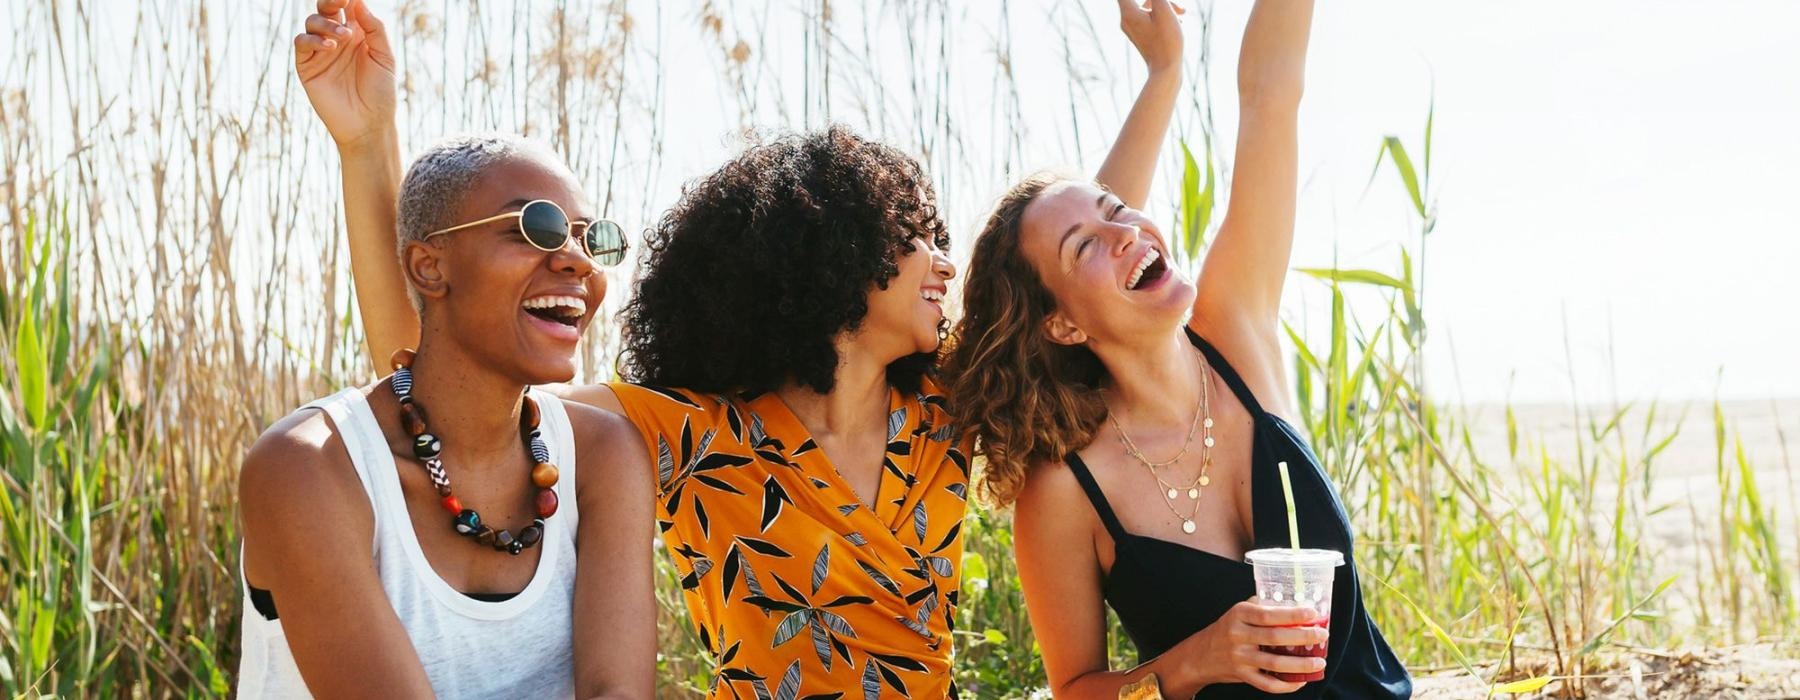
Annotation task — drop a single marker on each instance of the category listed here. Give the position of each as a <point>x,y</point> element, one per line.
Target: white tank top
<point>517,648</point>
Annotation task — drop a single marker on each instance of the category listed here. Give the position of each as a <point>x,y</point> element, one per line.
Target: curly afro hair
<point>760,264</point>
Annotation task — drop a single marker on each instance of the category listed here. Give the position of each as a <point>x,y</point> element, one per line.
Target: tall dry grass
<point>172,280</point>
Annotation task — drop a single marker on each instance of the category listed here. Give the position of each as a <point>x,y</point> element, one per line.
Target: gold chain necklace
<point>1196,488</point>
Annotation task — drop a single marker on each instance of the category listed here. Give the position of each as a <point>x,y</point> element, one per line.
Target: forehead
<point>1049,216</point>
<point>524,178</point>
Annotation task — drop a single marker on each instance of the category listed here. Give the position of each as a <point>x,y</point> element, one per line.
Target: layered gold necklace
<point>1172,493</point>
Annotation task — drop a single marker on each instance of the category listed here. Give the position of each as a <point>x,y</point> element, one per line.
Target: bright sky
<point>1615,175</point>
<point>1616,179</point>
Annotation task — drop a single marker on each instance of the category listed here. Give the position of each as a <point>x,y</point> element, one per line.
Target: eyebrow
<point>520,204</point>
<point>1098,203</point>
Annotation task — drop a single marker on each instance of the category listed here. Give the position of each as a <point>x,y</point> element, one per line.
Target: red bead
<point>528,414</point>
<point>401,358</point>
<point>412,418</point>
<point>546,503</point>
<point>451,504</point>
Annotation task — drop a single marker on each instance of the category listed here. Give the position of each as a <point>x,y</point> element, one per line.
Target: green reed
<point>172,281</point>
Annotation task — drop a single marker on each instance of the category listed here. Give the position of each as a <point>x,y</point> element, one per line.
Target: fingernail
<point>330,44</point>
<point>341,30</point>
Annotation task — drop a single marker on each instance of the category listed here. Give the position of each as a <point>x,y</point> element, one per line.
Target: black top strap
<point>1094,495</point>
<point>1217,360</point>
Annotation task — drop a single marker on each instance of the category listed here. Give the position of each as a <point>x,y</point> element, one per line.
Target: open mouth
<point>562,310</point>
<point>1150,270</point>
<point>934,296</point>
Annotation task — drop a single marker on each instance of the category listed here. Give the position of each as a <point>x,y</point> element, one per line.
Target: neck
<point>1156,382</point>
<point>475,412</point>
<point>858,398</point>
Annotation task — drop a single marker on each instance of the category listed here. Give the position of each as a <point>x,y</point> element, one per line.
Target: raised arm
<point>1240,282</point>
<point>346,65</point>
<point>1156,32</point>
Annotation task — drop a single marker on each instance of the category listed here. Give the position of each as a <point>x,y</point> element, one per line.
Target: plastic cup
<point>1288,577</point>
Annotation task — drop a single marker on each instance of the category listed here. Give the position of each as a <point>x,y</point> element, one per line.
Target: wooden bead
<point>486,535</point>
<point>546,503</point>
<point>528,413</point>
<point>401,358</point>
<point>544,475</point>
<point>532,533</point>
<point>452,504</point>
<point>412,418</point>
<point>503,540</point>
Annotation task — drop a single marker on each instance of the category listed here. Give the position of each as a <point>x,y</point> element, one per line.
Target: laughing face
<point>910,310</point>
<point>511,305</point>
<point>1104,263</point>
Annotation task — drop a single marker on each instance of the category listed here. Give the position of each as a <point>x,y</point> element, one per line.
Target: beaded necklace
<point>427,447</point>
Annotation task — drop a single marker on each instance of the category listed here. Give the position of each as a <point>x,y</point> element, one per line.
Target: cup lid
<point>1285,556</point>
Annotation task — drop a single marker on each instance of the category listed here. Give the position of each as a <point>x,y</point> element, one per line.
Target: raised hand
<point>1155,29</point>
<point>346,65</point>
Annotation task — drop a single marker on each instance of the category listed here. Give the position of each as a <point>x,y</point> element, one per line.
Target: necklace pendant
<point>1205,480</point>
<point>1208,442</point>
<point>1194,494</point>
<point>1187,526</point>
<point>1172,494</point>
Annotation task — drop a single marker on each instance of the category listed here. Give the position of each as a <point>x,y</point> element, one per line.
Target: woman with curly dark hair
<point>811,485</point>
<point>1143,465</point>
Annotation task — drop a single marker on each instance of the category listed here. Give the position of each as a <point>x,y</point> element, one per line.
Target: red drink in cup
<point>1296,578</point>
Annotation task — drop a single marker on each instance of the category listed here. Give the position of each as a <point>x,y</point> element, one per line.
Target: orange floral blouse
<point>798,588</point>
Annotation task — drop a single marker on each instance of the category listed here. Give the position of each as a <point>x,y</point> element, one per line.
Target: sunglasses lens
<point>606,242</point>
<point>544,225</point>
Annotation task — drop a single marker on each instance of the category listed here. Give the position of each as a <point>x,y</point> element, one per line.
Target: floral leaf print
<point>750,582</point>
<point>675,396</point>
<point>764,547</point>
<point>773,496</point>
<point>960,489</point>
<point>730,570</point>
<point>819,483</point>
<point>790,626</point>
<point>856,538</point>
<point>821,642</point>
<point>893,680</point>
<point>717,484</point>
<point>919,521</point>
<point>789,589</point>
<point>900,662</point>
<point>806,447</point>
<point>790,683</point>
<point>949,537</point>
<point>940,566</point>
<point>692,580</point>
<point>881,579</point>
<point>761,688</point>
<point>720,460</point>
<point>837,623</point>
<point>737,423</point>
<point>731,653</point>
<point>944,433</point>
<point>896,421</point>
<point>740,674</point>
<point>758,435</point>
<point>846,510</point>
<point>844,600</point>
<point>773,605</point>
<point>665,463</point>
<point>821,565</point>
<point>871,685</point>
<point>824,696</point>
<point>700,516</point>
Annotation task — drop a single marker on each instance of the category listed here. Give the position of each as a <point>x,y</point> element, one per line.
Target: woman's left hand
<point>1155,29</point>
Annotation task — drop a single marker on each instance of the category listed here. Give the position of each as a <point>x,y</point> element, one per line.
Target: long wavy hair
<point>1026,399</point>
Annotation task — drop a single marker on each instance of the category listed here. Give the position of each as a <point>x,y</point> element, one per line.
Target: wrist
<point>377,143</point>
<point>1165,72</point>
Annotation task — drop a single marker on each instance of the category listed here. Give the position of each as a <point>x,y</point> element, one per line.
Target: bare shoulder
<point>612,441</point>
<point>1252,347</point>
<point>300,457</point>
<point>1052,500</point>
<point>600,396</point>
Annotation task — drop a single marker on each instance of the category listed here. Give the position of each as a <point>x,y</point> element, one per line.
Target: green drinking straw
<point>1287,491</point>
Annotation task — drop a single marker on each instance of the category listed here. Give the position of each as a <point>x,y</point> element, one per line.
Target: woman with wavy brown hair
<point>1141,461</point>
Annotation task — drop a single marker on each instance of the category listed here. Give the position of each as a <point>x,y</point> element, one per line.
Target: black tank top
<point>1164,592</point>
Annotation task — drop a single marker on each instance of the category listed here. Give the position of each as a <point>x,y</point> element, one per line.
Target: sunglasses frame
<point>519,226</point>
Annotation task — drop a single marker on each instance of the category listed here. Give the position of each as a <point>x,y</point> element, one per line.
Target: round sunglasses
<point>546,227</point>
